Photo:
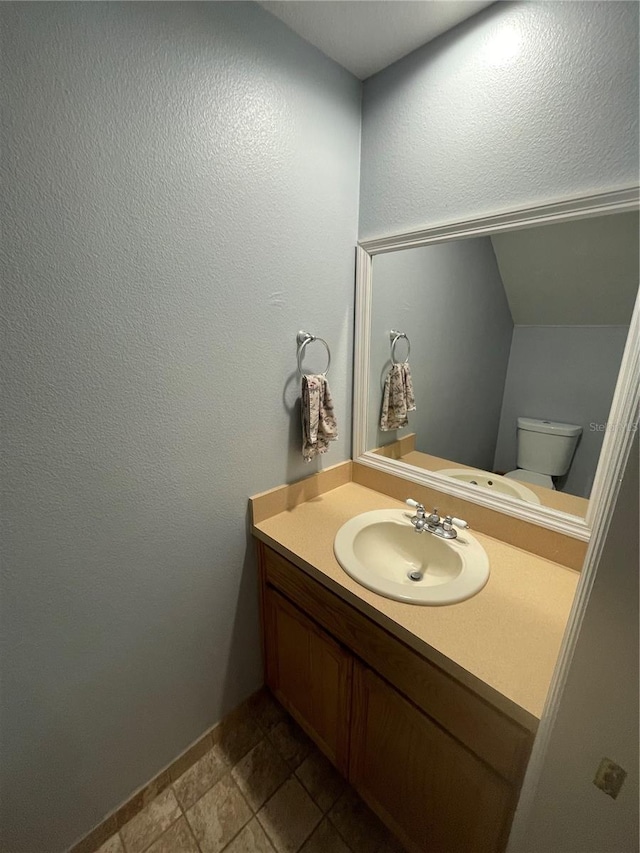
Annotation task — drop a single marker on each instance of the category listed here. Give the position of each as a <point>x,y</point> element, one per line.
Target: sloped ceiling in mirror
<point>578,273</point>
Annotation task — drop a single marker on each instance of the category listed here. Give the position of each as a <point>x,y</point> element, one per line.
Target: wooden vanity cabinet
<point>423,784</point>
<point>439,765</point>
<point>310,674</point>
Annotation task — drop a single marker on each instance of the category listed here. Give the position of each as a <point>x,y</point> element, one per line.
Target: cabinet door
<point>436,795</point>
<point>310,674</point>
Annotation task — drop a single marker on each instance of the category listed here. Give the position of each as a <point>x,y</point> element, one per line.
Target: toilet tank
<point>546,446</point>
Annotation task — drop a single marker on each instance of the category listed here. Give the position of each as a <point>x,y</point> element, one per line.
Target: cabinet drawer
<point>491,735</point>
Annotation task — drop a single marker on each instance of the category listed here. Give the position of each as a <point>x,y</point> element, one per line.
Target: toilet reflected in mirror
<point>517,339</point>
<point>545,450</point>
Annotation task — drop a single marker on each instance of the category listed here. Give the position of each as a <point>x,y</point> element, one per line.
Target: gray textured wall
<point>180,191</point>
<point>179,197</point>
<point>567,374</point>
<point>598,714</point>
<point>449,134</point>
<point>450,300</point>
<point>521,104</point>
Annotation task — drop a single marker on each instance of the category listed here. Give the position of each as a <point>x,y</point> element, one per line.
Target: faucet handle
<point>448,523</point>
<point>417,506</point>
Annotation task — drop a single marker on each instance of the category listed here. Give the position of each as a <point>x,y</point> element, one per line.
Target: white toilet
<point>545,450</point>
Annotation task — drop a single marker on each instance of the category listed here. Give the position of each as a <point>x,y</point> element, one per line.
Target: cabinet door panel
<point>310,674</point>
<point>433,792</point>
<point>491,735</point>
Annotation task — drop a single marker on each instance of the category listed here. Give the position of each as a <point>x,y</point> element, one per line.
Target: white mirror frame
<point>626,398</point>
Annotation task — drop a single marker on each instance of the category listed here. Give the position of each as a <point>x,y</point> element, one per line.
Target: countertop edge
<point>493,697</point>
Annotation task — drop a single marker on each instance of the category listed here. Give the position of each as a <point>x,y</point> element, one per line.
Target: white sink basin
<point>380,549</point>
<point>492,481</point>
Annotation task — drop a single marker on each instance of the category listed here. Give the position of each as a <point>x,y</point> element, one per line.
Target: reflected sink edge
<point>499,483</point>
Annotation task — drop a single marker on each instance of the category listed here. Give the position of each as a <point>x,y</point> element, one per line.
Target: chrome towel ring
<point>395,336</point>
<point>303,339</point>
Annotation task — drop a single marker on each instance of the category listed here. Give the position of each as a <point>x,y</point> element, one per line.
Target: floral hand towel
<point>319,425</point>
<point>397,397</point>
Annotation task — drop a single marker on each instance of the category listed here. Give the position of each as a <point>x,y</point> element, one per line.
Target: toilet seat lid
<point>531,477</point>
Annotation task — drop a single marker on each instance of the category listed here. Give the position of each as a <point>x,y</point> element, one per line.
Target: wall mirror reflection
<point>516,340</point>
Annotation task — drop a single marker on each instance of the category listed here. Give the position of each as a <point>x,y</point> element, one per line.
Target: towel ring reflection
<point>303,339</point>
<point>395,336</point>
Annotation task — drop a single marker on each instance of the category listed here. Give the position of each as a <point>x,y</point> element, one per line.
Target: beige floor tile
<point>321,779</point>
<point>200,777</point>
<point>289,817</point>
<point>359,827</point>
<point>237,734</point>
<point>291,742</point>
<point>266,710</point>
<point>113,845</point>
<point>252,839</point>
<point>151,822</point>
<point>326,839</point>
<point>219,815</point>
<point>260,773</point>
<point>177,839</point>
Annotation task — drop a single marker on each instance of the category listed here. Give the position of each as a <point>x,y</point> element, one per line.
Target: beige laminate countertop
<point>502,643</point>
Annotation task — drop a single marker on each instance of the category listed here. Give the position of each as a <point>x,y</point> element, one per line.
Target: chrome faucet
<point>433,523</point>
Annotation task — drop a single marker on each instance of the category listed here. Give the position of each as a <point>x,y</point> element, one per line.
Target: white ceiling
<point>364,37</point>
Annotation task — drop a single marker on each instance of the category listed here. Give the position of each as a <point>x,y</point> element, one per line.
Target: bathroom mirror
<point>517,326</point>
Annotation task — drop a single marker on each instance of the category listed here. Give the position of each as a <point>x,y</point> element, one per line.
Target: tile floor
<point>262,788</point>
